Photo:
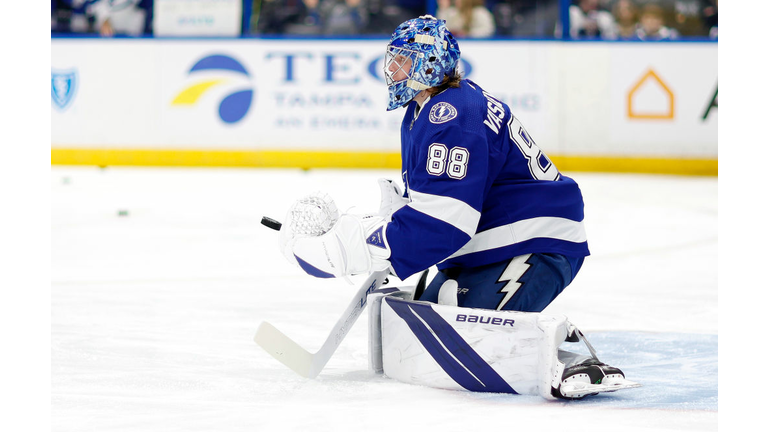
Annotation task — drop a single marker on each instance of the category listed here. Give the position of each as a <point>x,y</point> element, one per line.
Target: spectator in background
<point>625,14</point>
<point>291,17</point>
<point>710,19</point>
<point>588,21</point>
<point>272,17</point>
<point>525,18</point>
<point>344,17</point>
<point>412,8</point>
<point>686,17</point>
<point>71,16</point>
<point>467,18</point>
<point>384,15</point>
<point>122,17</point>
<point>652,26</point>
<point>313,20</point>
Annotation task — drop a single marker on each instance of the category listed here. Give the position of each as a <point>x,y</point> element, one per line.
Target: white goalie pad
<point>459,348</point>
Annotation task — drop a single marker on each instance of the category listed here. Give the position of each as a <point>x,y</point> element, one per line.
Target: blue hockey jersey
<point>480,190</point>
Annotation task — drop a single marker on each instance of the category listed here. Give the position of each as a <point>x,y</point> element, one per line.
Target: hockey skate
<point>591,377</point>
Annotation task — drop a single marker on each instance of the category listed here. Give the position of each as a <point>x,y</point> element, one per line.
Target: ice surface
<point>160,278</point>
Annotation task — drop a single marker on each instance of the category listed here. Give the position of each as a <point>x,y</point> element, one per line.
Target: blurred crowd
<point>643,19</point>
<point>588,19</point>
<point>104,17</point>
<point>332,17</point>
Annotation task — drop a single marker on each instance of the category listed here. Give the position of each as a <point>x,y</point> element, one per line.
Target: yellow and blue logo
<point>235,105</point>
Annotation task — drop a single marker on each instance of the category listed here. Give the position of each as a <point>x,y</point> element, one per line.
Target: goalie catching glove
<point>326,245</point>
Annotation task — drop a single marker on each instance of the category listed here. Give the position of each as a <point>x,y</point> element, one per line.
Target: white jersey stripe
<point>527,229</point>
<point>447,209</point>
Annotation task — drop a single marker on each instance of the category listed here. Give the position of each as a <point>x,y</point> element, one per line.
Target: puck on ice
<point>271,223</point>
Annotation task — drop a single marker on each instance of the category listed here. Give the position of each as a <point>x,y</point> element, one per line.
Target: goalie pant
<point>460,348</point>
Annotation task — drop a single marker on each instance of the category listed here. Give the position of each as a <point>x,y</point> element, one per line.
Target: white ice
<point>160,278</point>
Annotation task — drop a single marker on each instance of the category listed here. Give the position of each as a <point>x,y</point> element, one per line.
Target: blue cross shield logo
<point>63,87</point>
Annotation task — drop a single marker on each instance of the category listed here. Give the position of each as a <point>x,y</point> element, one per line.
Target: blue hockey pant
<point>526,283</point>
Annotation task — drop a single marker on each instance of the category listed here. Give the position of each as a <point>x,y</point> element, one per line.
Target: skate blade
<point>581,389</point>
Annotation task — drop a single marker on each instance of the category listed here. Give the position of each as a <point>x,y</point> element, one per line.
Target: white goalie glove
<point>326,244</point>
<point>392,199</point>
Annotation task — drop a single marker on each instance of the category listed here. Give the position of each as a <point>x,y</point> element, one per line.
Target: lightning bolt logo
<point>442,112</point>
<point>511,275</point>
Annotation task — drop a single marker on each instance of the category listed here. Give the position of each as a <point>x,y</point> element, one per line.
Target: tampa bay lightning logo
<point>442,112</point>
<point>63,87</point>
<point>235,105</point>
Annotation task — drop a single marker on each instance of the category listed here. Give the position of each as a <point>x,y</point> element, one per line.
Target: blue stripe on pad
<point>453,368</point>
<point>470,371</point>
<point>462,350</point>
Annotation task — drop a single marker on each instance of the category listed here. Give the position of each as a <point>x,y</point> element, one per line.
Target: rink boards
<point>322,103</point>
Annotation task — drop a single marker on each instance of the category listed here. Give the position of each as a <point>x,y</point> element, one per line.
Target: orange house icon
<point>664,113</point>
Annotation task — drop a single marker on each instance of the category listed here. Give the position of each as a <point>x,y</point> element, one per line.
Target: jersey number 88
<point>456,161</point>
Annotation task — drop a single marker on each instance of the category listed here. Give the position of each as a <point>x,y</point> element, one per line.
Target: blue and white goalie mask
<point>420,54</point>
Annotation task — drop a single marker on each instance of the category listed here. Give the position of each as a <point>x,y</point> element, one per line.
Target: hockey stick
<point>301,361</point>
<point>291,354</point>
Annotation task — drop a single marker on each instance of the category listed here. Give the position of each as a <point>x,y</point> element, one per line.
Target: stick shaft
<point>288,352</point>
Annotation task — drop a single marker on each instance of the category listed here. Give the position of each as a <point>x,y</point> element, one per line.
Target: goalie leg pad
<point>471,349</point>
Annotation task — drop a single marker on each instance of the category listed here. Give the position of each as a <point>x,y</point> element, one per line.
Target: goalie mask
<point>420,54</point>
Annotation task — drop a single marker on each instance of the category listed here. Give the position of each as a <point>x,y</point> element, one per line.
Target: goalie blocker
<point>482,350</point>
